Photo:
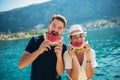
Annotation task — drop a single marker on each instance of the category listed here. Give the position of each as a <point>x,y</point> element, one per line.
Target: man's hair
<point>59,17</point>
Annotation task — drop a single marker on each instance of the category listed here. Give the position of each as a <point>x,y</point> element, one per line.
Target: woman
<point>79,59</point>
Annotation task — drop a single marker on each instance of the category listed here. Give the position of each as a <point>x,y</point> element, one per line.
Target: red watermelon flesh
<point>77,46</point>
<point>53,38</point>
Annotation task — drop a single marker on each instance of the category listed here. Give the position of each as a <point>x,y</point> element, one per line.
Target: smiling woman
<point>6,5</point>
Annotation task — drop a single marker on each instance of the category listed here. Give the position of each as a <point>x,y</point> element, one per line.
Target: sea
<point>105,42</point>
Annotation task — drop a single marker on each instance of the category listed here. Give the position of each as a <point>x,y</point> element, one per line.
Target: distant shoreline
<point>21,35</point>
<point>17,36</point>
<point>11,39</point>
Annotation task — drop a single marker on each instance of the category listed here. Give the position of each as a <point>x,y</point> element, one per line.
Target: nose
<point>78,38</point>
<point>55,29</point>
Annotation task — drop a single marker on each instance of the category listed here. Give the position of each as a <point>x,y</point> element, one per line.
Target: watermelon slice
<point>52,38</point>
<point>78,46</point>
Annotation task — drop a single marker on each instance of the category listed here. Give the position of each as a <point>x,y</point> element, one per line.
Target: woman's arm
<point>74,72</point>
<point>89,69</point>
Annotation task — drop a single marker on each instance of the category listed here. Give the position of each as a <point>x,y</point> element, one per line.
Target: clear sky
<point>6,5</point>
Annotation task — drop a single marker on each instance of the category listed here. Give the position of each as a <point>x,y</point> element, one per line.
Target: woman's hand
<point>86,49</point>
<point>71,52</point>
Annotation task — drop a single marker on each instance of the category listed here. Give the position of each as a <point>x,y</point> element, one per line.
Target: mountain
<point>76,11</point>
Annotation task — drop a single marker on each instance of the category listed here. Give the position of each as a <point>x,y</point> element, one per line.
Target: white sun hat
<point>76,29</point>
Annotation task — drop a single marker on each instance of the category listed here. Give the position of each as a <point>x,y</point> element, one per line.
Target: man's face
<point>78,38</point>
<point>56,27</point>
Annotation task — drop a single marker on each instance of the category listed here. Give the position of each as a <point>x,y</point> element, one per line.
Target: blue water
<point>105,42</point>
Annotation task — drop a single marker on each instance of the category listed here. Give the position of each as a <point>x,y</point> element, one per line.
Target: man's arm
<point>27,57</point>
<point>59,65</point>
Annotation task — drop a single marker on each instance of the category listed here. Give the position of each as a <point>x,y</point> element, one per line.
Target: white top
<point>82,74</point>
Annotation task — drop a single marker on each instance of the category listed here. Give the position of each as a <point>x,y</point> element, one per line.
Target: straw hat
<point>76,29</point>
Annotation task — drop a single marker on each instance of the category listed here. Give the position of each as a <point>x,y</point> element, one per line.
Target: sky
<point>6,5</point>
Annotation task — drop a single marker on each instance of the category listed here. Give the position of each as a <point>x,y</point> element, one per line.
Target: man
<point>79,62</point>
<point>46,59</point>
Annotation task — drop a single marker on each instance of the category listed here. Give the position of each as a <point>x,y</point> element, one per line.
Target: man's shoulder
<point>64,45</point>
<point>38,38</point>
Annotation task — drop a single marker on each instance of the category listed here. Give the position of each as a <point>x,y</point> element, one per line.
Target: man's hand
<point>58,49</point>
<point>44,46</point>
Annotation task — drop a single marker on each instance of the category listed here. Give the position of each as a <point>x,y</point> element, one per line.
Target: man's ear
<point>63,31</point>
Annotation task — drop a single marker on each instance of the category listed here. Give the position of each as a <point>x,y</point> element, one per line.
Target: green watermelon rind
<point>78,48</point>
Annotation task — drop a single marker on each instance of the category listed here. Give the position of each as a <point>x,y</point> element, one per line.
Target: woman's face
<point>78,38</point>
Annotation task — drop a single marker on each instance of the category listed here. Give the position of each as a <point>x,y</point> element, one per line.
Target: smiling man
<point>46,58</point>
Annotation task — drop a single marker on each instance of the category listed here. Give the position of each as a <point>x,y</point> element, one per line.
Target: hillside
<point>77,11</point>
